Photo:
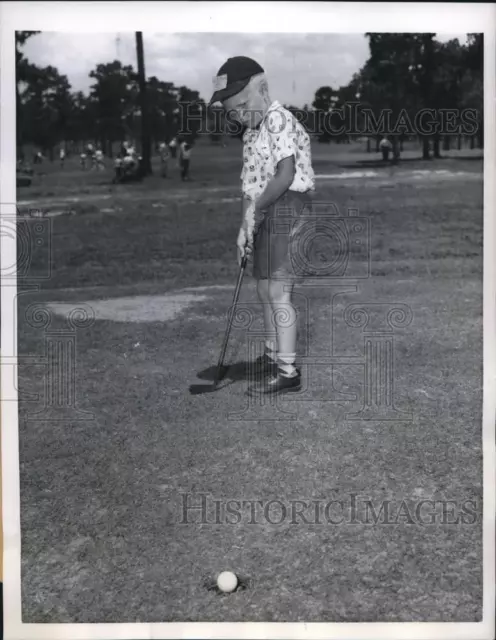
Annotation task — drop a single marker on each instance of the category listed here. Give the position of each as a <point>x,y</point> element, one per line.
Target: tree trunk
<point>19,121</point>
<point>436,146</point>
<point>396,150</point>
<point>145,131</point>
<point>446,143</point>
<point>377,141</point>
<point>401,143</point>
<point>426,155</point>
<point>368,145</point>
<point>472,142</point>
<point>459,142</point>
<point>480,135</point>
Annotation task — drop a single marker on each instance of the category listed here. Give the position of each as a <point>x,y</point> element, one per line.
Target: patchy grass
<point>102,499</point>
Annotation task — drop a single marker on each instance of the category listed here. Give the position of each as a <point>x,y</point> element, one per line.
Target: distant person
<point>129,159</point>
<point>118,167</point>
<point>385,147</point>
<point>62,157</point>
<point>89,151</point>
<point>173,147</point>
<point>100,165</point>
<point>83,157</point>
<point>164,158</point>
<point>38,158</point>
<point>184,160</point>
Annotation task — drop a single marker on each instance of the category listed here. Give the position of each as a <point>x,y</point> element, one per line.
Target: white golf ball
<point>227,581</point>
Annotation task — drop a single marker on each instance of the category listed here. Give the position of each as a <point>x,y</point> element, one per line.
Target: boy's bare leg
<point>268,315</point>
<point>283,316</point>
<point>285,320</point>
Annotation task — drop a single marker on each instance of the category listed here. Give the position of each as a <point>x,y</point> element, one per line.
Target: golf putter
<point>196,389</point>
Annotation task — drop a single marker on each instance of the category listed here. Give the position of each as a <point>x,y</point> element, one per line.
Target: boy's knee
<point>280,292</point>
<point>263,289</point>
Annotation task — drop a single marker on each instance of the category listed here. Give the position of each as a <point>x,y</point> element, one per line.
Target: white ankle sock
<point>287,364</point>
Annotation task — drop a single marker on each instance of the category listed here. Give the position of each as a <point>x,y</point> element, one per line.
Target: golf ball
<point>227,581</point>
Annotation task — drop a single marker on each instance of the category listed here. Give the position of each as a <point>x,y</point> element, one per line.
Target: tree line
<point>404,76</point>
<point>411,85</point>
<point>49,113</point>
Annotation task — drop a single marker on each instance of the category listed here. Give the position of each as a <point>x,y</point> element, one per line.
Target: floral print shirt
<point>279,136</point>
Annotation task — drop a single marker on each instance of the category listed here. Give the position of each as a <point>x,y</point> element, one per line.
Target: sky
<point>296,64</point>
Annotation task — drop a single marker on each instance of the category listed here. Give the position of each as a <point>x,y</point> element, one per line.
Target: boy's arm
<point>253,211</point>
<point>245,202</point>
<point>279,184</point>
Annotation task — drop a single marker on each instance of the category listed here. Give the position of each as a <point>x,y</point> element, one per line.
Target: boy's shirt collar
<point>273,107</point>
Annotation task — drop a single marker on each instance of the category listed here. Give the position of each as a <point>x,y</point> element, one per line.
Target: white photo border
<point>177,17</point>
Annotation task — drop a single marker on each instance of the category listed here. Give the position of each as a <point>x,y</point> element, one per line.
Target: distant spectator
<point>164,158</point>
<point>184,159</point>
<point>62,157</point>
<point>100,165</point>
<point>385,147</point>
<point>173,147</point>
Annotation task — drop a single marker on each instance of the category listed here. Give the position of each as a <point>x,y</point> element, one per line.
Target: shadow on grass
<point>234,372</point>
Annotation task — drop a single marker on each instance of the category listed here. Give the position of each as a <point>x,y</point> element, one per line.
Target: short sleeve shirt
<point>279,136</point>
<point>185,153</point>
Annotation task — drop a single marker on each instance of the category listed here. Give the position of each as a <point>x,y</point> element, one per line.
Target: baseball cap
<point>233,77</point>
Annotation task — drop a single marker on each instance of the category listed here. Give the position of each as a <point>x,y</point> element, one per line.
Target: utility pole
<point>145,130</point>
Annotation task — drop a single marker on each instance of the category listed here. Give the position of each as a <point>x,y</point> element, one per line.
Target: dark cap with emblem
<point>233,77</point>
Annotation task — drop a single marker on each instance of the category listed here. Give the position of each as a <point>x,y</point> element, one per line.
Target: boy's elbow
<point>289,179</point>
<point>287,171</point>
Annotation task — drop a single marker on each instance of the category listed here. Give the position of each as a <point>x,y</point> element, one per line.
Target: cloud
<point>297,64</point>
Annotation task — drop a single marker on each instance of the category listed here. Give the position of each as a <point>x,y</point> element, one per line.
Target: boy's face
<point>246,107</point>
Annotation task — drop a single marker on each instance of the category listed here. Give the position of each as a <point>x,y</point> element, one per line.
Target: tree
<point>46,106</point>
<point>115,94</point>
<point>23,69</point>
<point>392,74</point>
<point>472,82</point>
<point>216,123</point>
<point>146,166</point>
<point>324,100</point>
<point>83,124</point>
<point>192,113</point>
<point>162,104</point>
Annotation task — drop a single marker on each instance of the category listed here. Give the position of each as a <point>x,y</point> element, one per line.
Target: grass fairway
<point>103,532</point>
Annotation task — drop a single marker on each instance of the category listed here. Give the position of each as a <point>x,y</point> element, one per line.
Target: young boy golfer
<point>277,179</point>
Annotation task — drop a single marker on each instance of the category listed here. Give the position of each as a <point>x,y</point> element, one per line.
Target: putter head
<point>199,389</point>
